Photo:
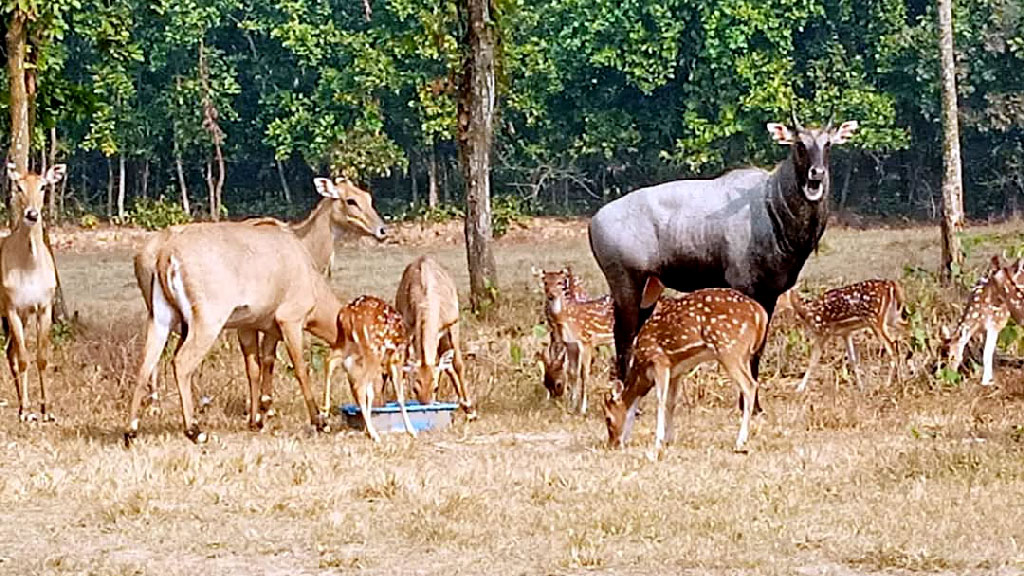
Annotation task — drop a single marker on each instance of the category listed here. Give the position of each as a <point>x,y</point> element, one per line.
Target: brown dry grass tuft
<point>925,477</point>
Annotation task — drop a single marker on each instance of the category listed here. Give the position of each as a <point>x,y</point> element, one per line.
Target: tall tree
<point>477,98</point>
<point>952,179</point>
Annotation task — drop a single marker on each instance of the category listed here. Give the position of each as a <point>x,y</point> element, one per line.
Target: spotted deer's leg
<point>43,325</point>
<point>585,360</point>
<point>662,375</point>
<point>395,371</point>
<point>991,338</point>
<point>851,354</point>
<point>892,351</point>
<point>739,371</point>
<point>816,349</point>
<point>333,361</point>
<point>673,400</point>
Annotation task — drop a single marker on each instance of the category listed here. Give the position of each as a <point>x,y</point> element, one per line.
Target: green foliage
<point>157,214</point>
<point>507,211</point>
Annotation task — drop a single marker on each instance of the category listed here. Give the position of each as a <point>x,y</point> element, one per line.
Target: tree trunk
<point>952,178</point>
<point>476,132</point>
<point>414,190</point>
<point>181,184</point>
<point>145,178</point>
<point>53,188</point>
<point>17,39</point>
<point>432,177</point>
<point>284,182</point>
<point>120,188</point>
<point>110,188</point>
<point>211,189</point>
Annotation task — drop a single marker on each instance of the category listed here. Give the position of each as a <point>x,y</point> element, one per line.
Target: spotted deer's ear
<point>996,262</point>
<point>1018,268</point>
<point>537,272</point>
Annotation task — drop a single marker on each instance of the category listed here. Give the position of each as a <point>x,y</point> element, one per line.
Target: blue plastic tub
<point>388,418</point>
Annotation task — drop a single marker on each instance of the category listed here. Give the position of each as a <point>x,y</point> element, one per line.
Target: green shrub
<point>89,221</point>
<point>508,210</point>
<point>157,214</point>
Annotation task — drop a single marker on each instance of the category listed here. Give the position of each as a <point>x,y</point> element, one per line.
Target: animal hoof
<point>741,450</point>
<point>266,405</point>
<point>196,435</point>
<point>27,417</point>
<point>256,425</point>
<point>129,437</point>
<point>49,418</point>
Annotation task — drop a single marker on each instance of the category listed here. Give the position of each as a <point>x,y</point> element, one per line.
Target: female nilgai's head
<point>29,190</point>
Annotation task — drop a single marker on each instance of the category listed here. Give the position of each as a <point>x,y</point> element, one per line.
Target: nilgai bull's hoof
<point>49,418</point>
<point>129,437</point>
<point>27,417</point>
<point>196,435</point>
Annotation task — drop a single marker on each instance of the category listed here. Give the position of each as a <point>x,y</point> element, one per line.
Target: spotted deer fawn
<point>372,343</point>
<point>29,281</point>
<point>986,311</point>
<point>429,304</point>
<point>712,324</point>
<point>874,305</point>
<point>579,325</point>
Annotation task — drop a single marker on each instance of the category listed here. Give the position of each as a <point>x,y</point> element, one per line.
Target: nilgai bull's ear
<point>326,188</point>
<point>12,171</point>
<point>780,133</point>
<point>56,173</point>
<point>652,291</point>
<point>845,131</point>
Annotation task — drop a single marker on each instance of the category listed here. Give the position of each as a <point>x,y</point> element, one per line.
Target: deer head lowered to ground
<point>28,281</point>
<point>429,304</point>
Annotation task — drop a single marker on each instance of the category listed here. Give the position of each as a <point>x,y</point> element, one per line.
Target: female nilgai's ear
<point>56,173</point>
<point>326,188</point>
<point>12,172</point>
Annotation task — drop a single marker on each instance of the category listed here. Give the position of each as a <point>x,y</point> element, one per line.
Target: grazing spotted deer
<point>429,304</point>
<point>580,325</point>
<point>343,207</point>
<point>987,312</point>
<point>712,324</point>
<point>875,305</point>
<point>253,277</point>
<point>372,342</point>
<point>29,280</point>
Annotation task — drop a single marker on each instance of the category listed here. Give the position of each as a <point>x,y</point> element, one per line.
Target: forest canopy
<point>596,98</point>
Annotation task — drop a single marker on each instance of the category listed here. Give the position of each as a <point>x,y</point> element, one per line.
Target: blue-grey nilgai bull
<point>748,229</point>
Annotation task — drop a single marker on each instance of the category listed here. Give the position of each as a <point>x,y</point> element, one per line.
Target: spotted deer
<point>718,324</point>
<point>372,343</point>
<point>552,360</point>
<point>343,207</point>
<point>1009,280</point>
<point>985,312</point>
<point>874,305</point>
<point>28,281</point>
<point>429,304</point>
<point>580,325</point>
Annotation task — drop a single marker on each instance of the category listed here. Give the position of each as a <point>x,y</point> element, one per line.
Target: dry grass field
<point>921,478</point>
